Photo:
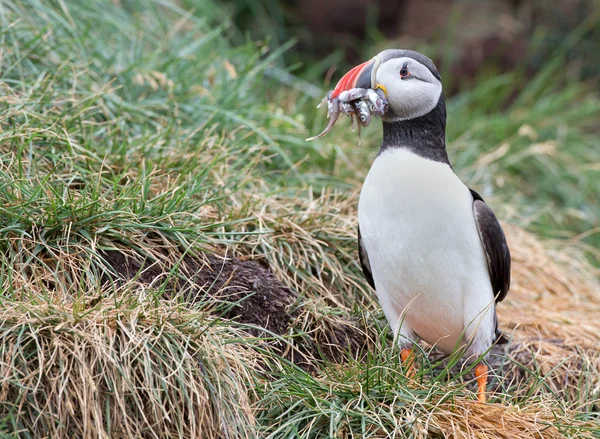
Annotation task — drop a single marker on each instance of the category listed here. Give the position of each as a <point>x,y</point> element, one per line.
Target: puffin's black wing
<point>364,261</point>
<point>495,246</point>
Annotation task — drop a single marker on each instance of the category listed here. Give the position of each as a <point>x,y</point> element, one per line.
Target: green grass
<point>160,132</point>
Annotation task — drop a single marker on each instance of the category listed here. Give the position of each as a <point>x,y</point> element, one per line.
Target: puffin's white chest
<point>417,226</point>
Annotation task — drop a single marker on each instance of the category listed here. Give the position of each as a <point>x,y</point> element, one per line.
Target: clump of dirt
<point>260,298</point>
<point>247,293</point>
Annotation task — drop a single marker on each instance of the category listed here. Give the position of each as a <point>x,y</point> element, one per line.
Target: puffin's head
<point>409,79</point>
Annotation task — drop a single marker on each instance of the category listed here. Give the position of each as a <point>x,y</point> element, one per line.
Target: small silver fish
<point>384,102</point>
<point>352,94</point>
<point>355,125</point>
<point>347,108</point>
<point>377,101</point>
<point>364,114</point>
<point>333,113</point>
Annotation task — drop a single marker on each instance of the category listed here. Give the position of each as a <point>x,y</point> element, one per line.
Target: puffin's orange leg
<point>481,373</point>
<point>408,359</point>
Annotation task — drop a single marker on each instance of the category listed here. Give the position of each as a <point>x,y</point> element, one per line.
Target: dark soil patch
<point>248,293</point>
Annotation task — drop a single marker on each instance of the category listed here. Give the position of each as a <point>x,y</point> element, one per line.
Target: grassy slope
<point>138,127</point>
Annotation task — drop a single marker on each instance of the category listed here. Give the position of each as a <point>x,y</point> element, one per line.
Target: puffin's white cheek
<point>404,100</point>
<point>411,99</point>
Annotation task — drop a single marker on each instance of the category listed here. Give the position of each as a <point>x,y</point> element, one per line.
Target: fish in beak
<point>356,94</point>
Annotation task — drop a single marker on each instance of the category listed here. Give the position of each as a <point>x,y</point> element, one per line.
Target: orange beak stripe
<point>348,81</point>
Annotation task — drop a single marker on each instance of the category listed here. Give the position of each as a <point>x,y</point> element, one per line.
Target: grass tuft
<point>135,371</point>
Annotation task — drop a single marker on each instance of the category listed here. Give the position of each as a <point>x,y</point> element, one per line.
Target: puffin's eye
<point>404,73</point>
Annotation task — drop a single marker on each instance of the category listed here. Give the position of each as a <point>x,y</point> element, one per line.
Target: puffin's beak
<point>361,76</point>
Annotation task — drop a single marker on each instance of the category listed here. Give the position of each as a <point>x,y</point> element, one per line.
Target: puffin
<point>430,247</point>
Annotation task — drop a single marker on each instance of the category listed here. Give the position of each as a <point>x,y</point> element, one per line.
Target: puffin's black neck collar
<point>424,136</point>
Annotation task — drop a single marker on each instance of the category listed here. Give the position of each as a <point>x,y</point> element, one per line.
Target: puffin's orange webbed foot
<point>481,373</point>
<point>408,360</point>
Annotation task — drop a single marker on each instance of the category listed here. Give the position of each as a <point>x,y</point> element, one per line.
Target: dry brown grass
<point>553,314</point>
<point>130,372</point>
<point>468,419</point>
